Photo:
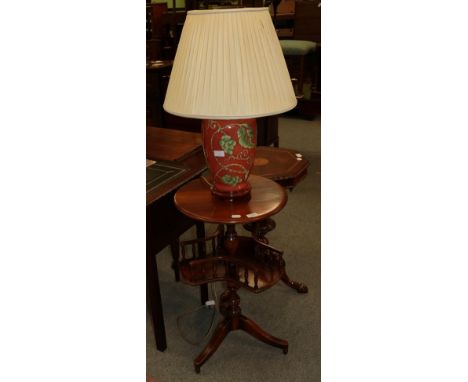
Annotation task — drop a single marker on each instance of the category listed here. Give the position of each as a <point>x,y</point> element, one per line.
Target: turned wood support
<point>229,305</point>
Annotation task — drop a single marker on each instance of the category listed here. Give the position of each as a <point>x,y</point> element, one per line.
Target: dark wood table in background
<point>157,78</point>
<point>285,166</point>
<point>164,223</point>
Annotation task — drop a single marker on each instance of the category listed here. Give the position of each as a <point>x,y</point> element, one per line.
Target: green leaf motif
<point>231,180</point>
<point>227,144</point>
<point>246,136</point>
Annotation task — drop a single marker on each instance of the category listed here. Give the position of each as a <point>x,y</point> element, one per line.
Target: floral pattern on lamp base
<point>229,147</point>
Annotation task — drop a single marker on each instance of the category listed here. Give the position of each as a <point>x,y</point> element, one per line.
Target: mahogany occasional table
<point>238,260</point>
<point>285,166</point>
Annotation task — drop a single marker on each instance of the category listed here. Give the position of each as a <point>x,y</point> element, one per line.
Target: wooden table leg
<point>257,332</point>
<point>217,338</point>
<point>299,287</point>
<point>202,253</point>
<point>155,302</point>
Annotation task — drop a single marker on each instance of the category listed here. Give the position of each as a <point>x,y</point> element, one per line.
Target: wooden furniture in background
<point>301,20</point>
<point>307,20</point>
<point>307,26</point>
<point>287,168</point>
<point>304,24</point>
<point>240,261</point>
<point>267,131</point>
<point>164,223</point>
<point>171,144</point>
<point>299,51</point>
<point>157,78</point>
<point>160,45</point>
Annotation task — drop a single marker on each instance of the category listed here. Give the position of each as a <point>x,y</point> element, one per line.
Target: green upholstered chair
<point>298,49</point>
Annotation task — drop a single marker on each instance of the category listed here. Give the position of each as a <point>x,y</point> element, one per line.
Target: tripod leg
<point>256,331</point>
<point>218,336</point>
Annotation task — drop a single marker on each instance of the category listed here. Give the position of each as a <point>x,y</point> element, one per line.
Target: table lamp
<point>228,70</point>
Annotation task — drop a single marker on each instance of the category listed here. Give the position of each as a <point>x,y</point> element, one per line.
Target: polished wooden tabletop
<point>170,144</point>
<point>196,201</point>
<point>285,166</point>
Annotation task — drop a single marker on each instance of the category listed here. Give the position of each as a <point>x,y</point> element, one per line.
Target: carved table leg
<point>154,299</point>
<point>299,287</point>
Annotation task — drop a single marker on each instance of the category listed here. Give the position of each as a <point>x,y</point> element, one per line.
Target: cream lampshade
<point>229,69</point>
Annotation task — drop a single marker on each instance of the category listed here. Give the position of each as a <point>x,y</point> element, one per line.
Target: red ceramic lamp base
<point>229,147</point>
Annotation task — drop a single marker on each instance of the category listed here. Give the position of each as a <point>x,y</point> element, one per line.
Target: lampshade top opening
<point>225,10</point>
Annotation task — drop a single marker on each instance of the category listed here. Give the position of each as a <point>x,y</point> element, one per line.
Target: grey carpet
<point>279,310</point>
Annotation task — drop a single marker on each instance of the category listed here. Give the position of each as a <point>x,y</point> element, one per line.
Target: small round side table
<point>240,261</point>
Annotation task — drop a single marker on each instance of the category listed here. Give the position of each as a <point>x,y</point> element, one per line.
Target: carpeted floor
<point>279,310</point>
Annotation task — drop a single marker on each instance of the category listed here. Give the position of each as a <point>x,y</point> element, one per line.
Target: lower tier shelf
<point>255,266</point>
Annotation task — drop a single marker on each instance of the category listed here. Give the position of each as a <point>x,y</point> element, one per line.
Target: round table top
<point>196,201</point>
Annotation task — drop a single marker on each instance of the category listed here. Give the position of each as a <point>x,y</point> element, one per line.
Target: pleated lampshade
<point>229,65</point>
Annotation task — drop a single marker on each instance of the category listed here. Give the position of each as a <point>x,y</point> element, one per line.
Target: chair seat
<point>297,47</point>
